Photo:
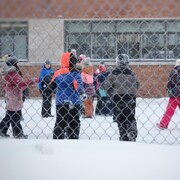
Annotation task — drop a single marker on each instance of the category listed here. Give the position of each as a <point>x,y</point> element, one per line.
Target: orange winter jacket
<point>64,61</point>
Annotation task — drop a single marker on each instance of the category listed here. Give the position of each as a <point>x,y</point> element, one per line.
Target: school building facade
<point>149,32</point>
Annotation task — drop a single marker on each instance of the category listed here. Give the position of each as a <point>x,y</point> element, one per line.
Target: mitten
<point>83,96</point>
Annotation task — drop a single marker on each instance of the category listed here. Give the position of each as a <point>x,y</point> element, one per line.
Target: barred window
<point>103,46</point>
<point>149,40</point>
<point>14,39</point>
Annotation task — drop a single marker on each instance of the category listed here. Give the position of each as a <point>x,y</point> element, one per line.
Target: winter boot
<point>4,135</point>
<point>21,136</point>
<point>160,126</point>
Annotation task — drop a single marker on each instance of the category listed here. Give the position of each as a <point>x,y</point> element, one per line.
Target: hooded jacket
<point>87,77</point>
<point>68,63</point>
<point>68,81</point>
<point>122,80</point>
<point>45,77</point>
<point>173,85</point>
<point>101,76</point>
<point>65,90</point>
<point>15,85</point>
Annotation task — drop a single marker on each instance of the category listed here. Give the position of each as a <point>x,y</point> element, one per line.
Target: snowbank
<point>87,160</point>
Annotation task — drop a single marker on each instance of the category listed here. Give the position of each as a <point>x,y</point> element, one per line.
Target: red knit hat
<point>102,68</point>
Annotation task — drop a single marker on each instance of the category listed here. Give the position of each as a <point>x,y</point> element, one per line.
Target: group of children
<point>92,82</point>
<point>75,85</point>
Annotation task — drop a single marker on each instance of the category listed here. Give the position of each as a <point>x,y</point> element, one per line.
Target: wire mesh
<point>147,31</point>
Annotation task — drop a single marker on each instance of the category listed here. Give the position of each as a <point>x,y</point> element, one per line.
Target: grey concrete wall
<point>46,40</point>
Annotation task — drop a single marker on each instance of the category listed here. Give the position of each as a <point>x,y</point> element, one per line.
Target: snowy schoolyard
<point>98,155</point>
<point>148,113</point>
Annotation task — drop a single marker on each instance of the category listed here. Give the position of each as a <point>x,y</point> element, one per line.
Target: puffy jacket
<point>65,91</point>
<point>45,77</point>
<point>101,77</point>
<point>68,63</point>
<point>68,60</point>
<point>88,80</point>
<point>15,85</point>
<point>122,80</point>
<point>173,85</point>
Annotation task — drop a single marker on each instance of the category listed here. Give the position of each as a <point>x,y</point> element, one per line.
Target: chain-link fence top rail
<point>148,31</point>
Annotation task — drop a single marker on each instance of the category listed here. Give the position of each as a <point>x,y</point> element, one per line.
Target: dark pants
<point>13,118</point>
<point>46,103</point>
<point>124,115</point>
<point>67,121</point>
<point>25,94</point>
<point>103,106</point>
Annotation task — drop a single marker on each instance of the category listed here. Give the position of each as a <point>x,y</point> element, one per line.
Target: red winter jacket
<point>15,85</point>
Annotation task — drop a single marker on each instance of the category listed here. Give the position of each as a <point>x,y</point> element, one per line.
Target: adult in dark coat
<point>123,84</point>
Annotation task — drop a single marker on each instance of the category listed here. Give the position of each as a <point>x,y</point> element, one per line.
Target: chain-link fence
<point>147,31</point>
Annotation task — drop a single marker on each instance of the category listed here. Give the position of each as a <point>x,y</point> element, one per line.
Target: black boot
<point>73,134</point>
<point>124,138</point>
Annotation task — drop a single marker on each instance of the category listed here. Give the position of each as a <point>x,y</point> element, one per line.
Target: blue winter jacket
<point>44,73</point>
<point>65,91</point>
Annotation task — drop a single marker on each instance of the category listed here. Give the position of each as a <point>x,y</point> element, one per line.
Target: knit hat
<point>102,68</point>
<point>74,52</point>
<point>122,59</point>
<point>82,57</point>
<point>86,61</point>
<point>5,57</point>
<point>177,62</point>
<point>48,62</point>
<point>12,61</point>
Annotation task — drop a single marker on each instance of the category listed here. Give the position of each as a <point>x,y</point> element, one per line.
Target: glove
<point>84,96</point>
<point>44,85</point>
<point>82,57</point>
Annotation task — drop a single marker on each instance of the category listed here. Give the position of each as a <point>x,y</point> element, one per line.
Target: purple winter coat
<point>173,85</point>
<point>14,86</point>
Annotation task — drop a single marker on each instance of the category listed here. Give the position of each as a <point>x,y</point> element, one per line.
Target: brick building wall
<point>89,9</point>
<point>153,79</point>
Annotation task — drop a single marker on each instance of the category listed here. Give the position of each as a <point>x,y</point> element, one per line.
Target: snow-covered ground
<point>155,155</point>
<point>148,113</point>
<point>87,160</point>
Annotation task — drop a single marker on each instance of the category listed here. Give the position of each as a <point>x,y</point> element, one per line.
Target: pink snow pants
<point>170,109</point>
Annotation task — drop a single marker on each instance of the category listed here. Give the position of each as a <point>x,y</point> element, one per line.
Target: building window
<point>149,40</point>
<point>153,46</point>
<point>129,43</point>
<point>173,45</point>
<point>14,39</point>
<point>103,46</point>
<point>81,42</point>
